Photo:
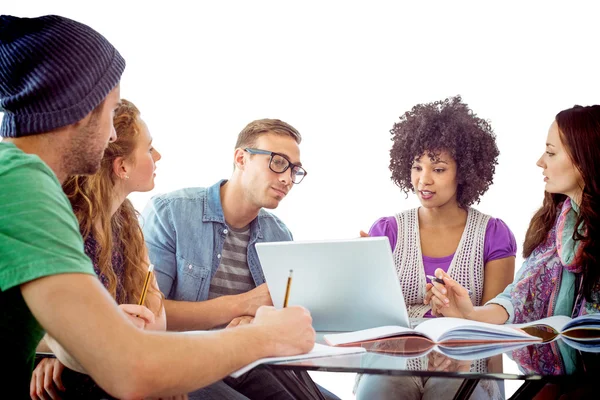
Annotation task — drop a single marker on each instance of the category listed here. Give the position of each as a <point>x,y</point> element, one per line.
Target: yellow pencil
<point>287,289</point>
<point>146,284</point>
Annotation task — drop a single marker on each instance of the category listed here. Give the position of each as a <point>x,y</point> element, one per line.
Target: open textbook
<point>582,333</point>
<point>319,350</point>
<point>443,332</point>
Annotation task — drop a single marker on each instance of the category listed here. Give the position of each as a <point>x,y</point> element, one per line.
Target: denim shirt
<point>185,231</point>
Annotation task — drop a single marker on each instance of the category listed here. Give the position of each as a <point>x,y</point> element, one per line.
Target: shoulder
<point>270,223</point>
<point>385,223</point>
<point>177,202</point>
<point>186,195</point>
<point>499,240</point>
<point>497,226</point>
<point>22,171</point>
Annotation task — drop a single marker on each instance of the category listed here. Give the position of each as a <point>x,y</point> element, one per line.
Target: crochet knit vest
<point>466,267</point>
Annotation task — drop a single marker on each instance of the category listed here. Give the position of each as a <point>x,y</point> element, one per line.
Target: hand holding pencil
<point>139,314</point>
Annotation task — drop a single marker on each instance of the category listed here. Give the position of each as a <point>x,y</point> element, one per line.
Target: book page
<point>320,350</point>
<point>462,330</point>
<point>556,322</point>
<point>380,332</point>
<point>587,321</point>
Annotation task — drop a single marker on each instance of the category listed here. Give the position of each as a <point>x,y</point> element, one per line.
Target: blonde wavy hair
<point>91,197</point>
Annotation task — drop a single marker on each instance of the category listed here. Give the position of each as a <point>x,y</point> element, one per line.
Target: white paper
<point>320,350</point>
<point>380,332</point>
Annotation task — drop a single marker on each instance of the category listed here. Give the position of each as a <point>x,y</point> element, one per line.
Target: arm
<point>498,275</point>
<point>202,315</point>
<point>63,356</point>
<point>154,363</point>
<point>155,301</point>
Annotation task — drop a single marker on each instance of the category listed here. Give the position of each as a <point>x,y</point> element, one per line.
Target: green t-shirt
<point>39,236</point>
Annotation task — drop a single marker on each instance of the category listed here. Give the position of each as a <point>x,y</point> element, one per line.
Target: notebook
<point>319,350</point>
<point>347,284</point>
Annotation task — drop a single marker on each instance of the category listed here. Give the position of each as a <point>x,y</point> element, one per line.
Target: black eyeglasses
<point>280,163</point>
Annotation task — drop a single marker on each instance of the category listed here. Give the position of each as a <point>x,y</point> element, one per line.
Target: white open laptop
<point>347,285</point>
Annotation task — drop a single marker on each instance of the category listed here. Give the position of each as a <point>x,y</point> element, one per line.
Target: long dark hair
<point>579,129</point>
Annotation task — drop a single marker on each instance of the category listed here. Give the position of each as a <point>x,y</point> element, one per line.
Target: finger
<point>235,322</point>
<point>39,382</point>
<point>428,293</point>
<point>245,321</point>
<point>33,384</point>
<point>363,234</point>
<point>451,283</point>
<point>57,375</point>
<point>436,306</point>
<point>49,383</point>
<point>439,295</point>
<point>440,287</point>
<point>139,312</point>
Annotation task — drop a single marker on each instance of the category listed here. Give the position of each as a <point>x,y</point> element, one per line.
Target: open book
<point>319,350</point>
<point>443,332</point>
<point>582,333</point>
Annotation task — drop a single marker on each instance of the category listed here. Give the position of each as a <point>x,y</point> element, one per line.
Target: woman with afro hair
<point>446,155</point>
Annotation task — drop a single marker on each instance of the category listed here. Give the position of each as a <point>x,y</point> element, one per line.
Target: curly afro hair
<point>446,125</point>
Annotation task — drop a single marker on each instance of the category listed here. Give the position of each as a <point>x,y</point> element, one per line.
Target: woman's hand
<point>449,300</point>
<point>439,362</point>
<point>46,379</point>
<point>140,316</point>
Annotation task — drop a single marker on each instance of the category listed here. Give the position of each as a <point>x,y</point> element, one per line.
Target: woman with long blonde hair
<point>113,241</point>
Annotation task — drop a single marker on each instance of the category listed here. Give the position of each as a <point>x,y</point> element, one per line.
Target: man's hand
<point>251,300</point>
<point>289,330</point>
<point>243,320</point>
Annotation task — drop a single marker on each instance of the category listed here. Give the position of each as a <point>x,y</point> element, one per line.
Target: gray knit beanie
<point>53,72</point>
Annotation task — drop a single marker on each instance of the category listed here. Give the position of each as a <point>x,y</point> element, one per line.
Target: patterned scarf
<point>536,292</point>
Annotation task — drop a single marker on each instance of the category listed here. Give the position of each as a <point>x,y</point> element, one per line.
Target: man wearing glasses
<point>201,241</point>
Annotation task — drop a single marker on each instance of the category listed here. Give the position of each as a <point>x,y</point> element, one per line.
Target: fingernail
<point>446,301</point>
<point>443,291</point>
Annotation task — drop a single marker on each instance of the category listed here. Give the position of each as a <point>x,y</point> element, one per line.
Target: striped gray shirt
<point>233,276</point>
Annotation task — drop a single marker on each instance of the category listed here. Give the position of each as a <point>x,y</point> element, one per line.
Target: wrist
<point>237,304</point>
<point>472,314</point>
<point>262,342</point>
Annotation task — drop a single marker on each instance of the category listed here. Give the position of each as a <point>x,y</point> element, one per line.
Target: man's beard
<point>84,154</point>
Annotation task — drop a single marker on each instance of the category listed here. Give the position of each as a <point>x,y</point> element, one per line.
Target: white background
<point>342,73</point>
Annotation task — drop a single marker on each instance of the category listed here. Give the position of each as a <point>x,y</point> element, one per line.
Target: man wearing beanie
<point>59,86</point>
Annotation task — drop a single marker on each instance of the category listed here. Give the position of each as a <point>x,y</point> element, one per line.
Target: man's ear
<point>239,158</point>
<point>119,167</point>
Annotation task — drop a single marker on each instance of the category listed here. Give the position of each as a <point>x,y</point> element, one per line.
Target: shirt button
<point>189,266</point>
<point>225,231</point>
<point>218,256</point>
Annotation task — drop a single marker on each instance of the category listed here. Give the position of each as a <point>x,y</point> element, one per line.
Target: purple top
<point>499,242</point>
